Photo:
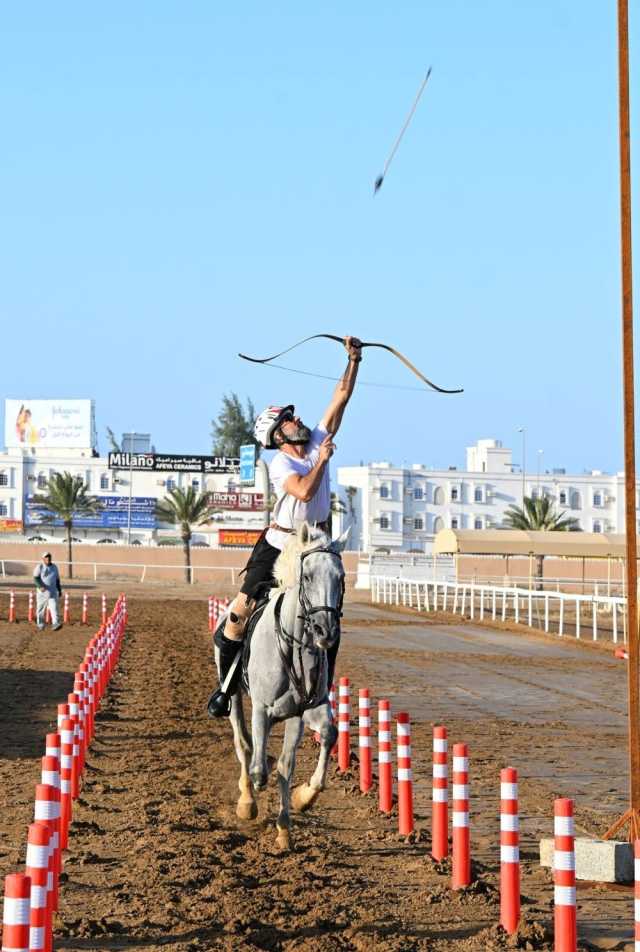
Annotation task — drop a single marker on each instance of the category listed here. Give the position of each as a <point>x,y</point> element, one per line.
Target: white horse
<point>287,673</point>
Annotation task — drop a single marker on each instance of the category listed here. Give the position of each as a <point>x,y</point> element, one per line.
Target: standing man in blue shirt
<point>47,579</point>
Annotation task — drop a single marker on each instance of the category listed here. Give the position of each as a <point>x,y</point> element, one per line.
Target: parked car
<point>106,542</point>
<point>37,538</point>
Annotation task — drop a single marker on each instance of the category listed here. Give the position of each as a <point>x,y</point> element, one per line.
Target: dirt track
<point>158,859</point>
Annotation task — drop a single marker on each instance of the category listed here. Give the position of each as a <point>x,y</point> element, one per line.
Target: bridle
<point>290,645</point>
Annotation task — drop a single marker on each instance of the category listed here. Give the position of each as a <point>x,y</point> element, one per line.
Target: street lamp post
<point>632,815</point>
<point>130,435</point>
<point>540,453</point>
<point>523,430</point>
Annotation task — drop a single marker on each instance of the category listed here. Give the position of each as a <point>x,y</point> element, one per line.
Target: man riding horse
<point>300,475</point>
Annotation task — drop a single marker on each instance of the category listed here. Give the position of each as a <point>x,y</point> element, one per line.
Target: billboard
<point>170,463</point>
<point>249,502</point>
<point>243,537</point>
<point>114,514</point>
<point>63,424</point>
<point>10,525</point>
<point>248,464</point>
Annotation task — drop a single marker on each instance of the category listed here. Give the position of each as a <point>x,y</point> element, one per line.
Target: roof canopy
<point>589,545</point>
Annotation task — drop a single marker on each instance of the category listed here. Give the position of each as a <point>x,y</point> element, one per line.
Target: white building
<point>33,455</point>
<point>401,509</point>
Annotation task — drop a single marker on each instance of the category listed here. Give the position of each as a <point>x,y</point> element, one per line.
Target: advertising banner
<point>249,502</point>
<point>244,537</point>
<point>248,464</point>
<point>10,525</point>
<point>169,463</point>
<point>64,424</point>
<point>114,514</point>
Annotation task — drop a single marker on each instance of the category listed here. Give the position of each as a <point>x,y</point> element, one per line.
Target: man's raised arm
<point>332,417</point>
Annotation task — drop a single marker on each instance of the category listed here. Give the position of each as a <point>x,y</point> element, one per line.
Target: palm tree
<point>185,508</point>
<point>66,498</point>
<point>539,515</point>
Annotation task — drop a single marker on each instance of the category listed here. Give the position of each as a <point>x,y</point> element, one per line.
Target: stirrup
<point>219,704</point>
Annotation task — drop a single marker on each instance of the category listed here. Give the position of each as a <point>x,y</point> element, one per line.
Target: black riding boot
<point>220,701</point>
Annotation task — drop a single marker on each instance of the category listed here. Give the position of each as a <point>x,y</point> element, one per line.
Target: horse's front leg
<point>318,719</point>
<point>246,808</point>
<point>286,766</point>
<point>260,727</point>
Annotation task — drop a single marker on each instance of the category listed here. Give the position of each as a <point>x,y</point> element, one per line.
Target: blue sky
<point>180,182</point>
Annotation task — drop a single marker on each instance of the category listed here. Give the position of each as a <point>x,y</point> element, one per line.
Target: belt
<point>274,525</point>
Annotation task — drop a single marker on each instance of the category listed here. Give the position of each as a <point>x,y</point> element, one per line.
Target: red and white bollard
<point>509,851</point>
<point>85,609</point>
<point>37,869</point>
<point>16,913</point>
<point>66,617</point>
<point>344,709</point>
<point>405,775</point>
<point>385,770</point>
<point>364,739</point>
<point>74,716</point>
<point>66,778</point>
<point>12,606</point>
<point>440,795</point>
<point>564,878</point>
<point>211,616</point>
<point>47,810</point>
<point>461,852</point>
<point>104,609</point>
<point>30,615</point>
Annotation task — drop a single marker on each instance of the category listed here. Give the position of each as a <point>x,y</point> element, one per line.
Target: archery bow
<point>340,340</point>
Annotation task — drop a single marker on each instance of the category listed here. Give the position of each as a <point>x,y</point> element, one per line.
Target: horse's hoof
<point>303,797</point>
<point>247,809</point>
<point>283,839</point>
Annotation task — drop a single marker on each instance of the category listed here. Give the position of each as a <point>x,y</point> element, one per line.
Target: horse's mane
<point>306,539</point>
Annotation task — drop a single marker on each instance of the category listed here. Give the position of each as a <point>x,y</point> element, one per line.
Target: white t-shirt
<point>288,511</point>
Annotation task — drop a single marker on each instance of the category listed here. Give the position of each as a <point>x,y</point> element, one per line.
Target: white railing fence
<point>594,615</point>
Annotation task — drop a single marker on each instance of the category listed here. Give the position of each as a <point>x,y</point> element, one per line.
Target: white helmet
<point>268,422</point>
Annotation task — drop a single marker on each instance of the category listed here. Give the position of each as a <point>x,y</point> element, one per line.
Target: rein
<point>287,640</point>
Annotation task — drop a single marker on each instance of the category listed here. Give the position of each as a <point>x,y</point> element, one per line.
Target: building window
<point>195,485</point>
<point>454,495</point>
<point>597,500</point>
<point>454,522</point>
<point>171,484</point>
<point>597,525</point>
<point>477,495</point>
<point>438,496</point>
<point>3,509</point>
<point>576,502</point>
<point>384,522</point>
<point>4,479</point>
<point>563,498</point>
<point>104,482</point>
<point>477,523</point>
<point>42,481</point>
<point>384,492</point>
<point>417,492</point>
<point>534,494</point>
<point>418,524</point>
<point>438,524</point>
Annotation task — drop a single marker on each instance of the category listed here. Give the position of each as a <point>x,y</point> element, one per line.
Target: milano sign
<point>167,463</point>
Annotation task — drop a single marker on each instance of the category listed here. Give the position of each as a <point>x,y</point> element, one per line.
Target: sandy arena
<point>158,859</point>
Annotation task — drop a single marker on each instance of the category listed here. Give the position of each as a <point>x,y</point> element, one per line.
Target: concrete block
<point>599,861</point>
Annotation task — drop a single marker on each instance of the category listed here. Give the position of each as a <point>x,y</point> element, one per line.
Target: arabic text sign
<point>169,463</point>
<point>250,502</point>
<point>114,514</point>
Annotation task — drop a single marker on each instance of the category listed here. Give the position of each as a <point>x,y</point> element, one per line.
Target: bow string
<point>340,340</point>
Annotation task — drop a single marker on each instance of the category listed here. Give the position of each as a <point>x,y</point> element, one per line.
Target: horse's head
<point>318,574</point>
